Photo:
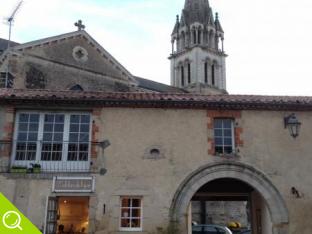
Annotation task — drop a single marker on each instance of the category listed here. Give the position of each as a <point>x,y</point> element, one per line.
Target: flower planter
<point>36,170</point>
<point>19,170</point>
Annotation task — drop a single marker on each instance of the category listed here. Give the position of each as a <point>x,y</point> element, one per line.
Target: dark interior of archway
<point>221,202</point>
<point>224,190</point>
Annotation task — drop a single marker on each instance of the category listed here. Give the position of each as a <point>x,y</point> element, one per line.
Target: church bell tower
<point>198,57</point>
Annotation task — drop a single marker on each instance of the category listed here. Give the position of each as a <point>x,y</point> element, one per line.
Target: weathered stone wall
<point>55,65</point>
<point>62,52</point>
<point>260,214</point>
<point>183,137</point>
<point>284,159</point>
<point>35,73</point>
<point>221,212</point>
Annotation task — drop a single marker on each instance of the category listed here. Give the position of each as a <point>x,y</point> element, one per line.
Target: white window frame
<point>130,229</point>
<point>232,136</point>
<point>64,164</point>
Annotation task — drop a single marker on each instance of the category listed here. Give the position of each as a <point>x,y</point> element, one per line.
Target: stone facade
<point>53,64</point>
<point>182,134</point>
<point>157,148</point>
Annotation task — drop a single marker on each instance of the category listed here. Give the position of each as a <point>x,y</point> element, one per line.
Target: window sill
<point>43,175</point>
<point>131,230</point>
<point>227,156</point>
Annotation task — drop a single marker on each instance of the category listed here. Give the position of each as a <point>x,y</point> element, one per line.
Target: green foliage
<point>17,169</point>
<point>35,165</point>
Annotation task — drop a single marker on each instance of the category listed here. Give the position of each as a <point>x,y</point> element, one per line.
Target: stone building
<point>4,45</point>
<point>198,57</point>
<point>86,144</point>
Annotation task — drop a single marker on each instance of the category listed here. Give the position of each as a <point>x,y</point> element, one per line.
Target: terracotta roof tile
<point>157,100</point>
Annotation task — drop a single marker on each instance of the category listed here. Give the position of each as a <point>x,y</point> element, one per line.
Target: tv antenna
<point>10,21</point>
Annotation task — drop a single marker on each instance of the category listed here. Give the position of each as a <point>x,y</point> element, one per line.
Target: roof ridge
<point>42,98</point>
<point>160,94</point>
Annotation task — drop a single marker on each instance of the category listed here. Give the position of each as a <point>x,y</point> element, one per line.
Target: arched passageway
<point>231,170</point>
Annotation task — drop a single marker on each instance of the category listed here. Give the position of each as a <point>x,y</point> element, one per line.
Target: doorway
<point>67,215</point>
<point>269,214</point>
<point>229,203</point>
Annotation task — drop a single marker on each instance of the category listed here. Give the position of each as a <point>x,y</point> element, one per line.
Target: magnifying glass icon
<point>12,220</point>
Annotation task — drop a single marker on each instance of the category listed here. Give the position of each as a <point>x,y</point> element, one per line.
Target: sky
<point>268,41</point>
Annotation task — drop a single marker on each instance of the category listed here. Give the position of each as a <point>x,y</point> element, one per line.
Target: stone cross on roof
<point>79,25</point>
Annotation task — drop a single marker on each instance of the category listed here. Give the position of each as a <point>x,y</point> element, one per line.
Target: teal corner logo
<point>12,221</point>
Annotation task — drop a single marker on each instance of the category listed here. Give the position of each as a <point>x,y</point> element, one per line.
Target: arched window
<point>182,75</point>
<point>178,44</point>
<point>199,36</point>
<point>213,81</point>
<point>183,40</point>
<point>194,36</point>
<point>189,72</point>
<point>206,72</point>
<point>211,39</point>
<point>205,37</point>
<point>217,42</point>
<point>76,87</point>
<point>174,45</point>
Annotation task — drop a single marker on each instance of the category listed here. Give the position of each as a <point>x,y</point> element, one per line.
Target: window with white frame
<point>224,136</point>
<point>26,144</point>
<point>131,213</point>
<point>78,147</point>
<point>52,137</point>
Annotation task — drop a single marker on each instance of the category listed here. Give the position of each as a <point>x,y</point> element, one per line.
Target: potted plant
<point>36,168</point>
<point>19,169</point>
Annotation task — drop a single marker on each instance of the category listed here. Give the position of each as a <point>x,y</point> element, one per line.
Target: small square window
<point>224,136</point>
<point>130,214</point>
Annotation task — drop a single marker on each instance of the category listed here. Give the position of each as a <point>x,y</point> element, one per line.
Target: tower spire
<point>198,58</point>
<point>196,11</point>
<point>218,24</point>
<point>190,3</point>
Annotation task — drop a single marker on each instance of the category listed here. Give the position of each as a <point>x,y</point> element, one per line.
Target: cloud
<point>268,42</point>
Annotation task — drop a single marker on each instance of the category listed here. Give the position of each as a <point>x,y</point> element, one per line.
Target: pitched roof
<point>176,27</point>
<point>4,44</point>
<point>196,11</point>
<point>218,24</point>
<point>46,98</point>
<point>157,87</point>
<point>83,33</point>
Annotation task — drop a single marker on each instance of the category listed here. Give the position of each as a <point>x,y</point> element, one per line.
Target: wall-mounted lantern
<point>291,122</point>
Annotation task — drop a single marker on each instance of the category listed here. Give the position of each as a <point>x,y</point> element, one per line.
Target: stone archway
<point>245,173</point>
